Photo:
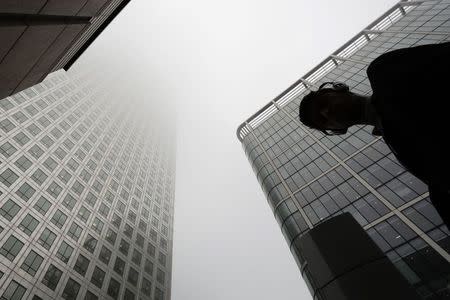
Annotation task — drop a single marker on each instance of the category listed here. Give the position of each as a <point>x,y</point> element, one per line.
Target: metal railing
<point>377,27</point>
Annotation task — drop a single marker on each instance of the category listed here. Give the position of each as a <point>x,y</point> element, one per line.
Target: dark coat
<point>411,93</point>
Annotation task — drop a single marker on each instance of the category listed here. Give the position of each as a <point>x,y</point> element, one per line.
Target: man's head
<point>331,109</point>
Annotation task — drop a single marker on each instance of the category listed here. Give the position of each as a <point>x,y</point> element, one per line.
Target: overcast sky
<point>218,62</point>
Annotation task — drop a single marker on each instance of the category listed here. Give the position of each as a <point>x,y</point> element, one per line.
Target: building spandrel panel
<point>86,181</point>
<point>309,177</point>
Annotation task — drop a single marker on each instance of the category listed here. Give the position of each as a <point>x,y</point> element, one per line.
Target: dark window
<point>97,277</point>
<point>105,255</point>
<point>128,295</point>
<point>81,265</point>
<point>119,266</point>
<point>111,236</point>
<point>83,214</point>
<point>97,225</point>
<point>90,243</point>
<point>71,290</point>
<point>113,288</point>
<point>90,296</point>
<point>133,276</point>
<point>32,263</point>
<point>146,287</point>
<point>124,247</point>
<point>148,267</point>
<point>52,277</point>
<point>137,257</point>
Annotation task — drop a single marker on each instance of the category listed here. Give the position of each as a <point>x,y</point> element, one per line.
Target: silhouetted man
<point>409,107</point>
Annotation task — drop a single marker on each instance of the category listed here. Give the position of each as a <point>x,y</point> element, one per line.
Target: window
<point>42,205</point>
<point>119,266</point>
<point>21,138</point>
<point>33,129</point>
<point>140,240</point>
<point>39,176</point>
<point>52,277</point>
<point>64,252</point>
<point>20,117</point>
<point>8,177</point>
<point>32,263</point>
<point>56,133</point>
<point>72,164</point>
<point>11,248</point>
<point>85,175</point>
<point>71,290</point>
<point>47,141</point>
<point>69,202</point>
<point>36,151</point>
<point>116,220</point>
<point>25,192</point>
<point>54,189</point>
<point>128,295</point>
<point>81,265</point>
<point>146,287</point>
<point>137,257</point>
<point>162,259</point>
<point>111,236</point>
<point>59,218</point>
<point>103,210</point>
<point>160,276</point>
<point>46,239</point>
<point>97,225</point>
<point>64,176</point>
<point>74,231</point>
<point>159,295</point>
<point>133,276</point>
<point>31,110</point>
<point>28,224</point>
<point>148,267</point>
<point>90,296</point>
<point>83,214</point>
<point>124,247</point>
<point>6,125</point>
<point>50,164</point>
<point>151,250</point>
<point>14,291</point>
<point>9,210</point>
<point>113,288</point>
<point>77,187</point>
<point>6,104</point>
<point>60,153</point>
<point>90,243</point>
<point>7,149</point>
<point>97,277</point>
<point>91,199</point>
<point>105,255</point>
<point>128,231</point>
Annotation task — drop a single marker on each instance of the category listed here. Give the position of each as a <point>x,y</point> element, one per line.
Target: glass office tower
<point>86,195</point>
<point>309,177</point>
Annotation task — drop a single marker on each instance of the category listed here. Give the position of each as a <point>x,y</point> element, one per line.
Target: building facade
<point>40,36</point>
<point>86,195</point>
<point>309,177</point>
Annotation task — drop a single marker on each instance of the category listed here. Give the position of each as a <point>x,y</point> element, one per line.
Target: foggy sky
<point>213,64</point>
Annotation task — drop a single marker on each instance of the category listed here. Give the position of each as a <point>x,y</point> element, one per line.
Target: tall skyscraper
<point>86,194</point>
<point>41,36</point>
<point>309,177</point>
